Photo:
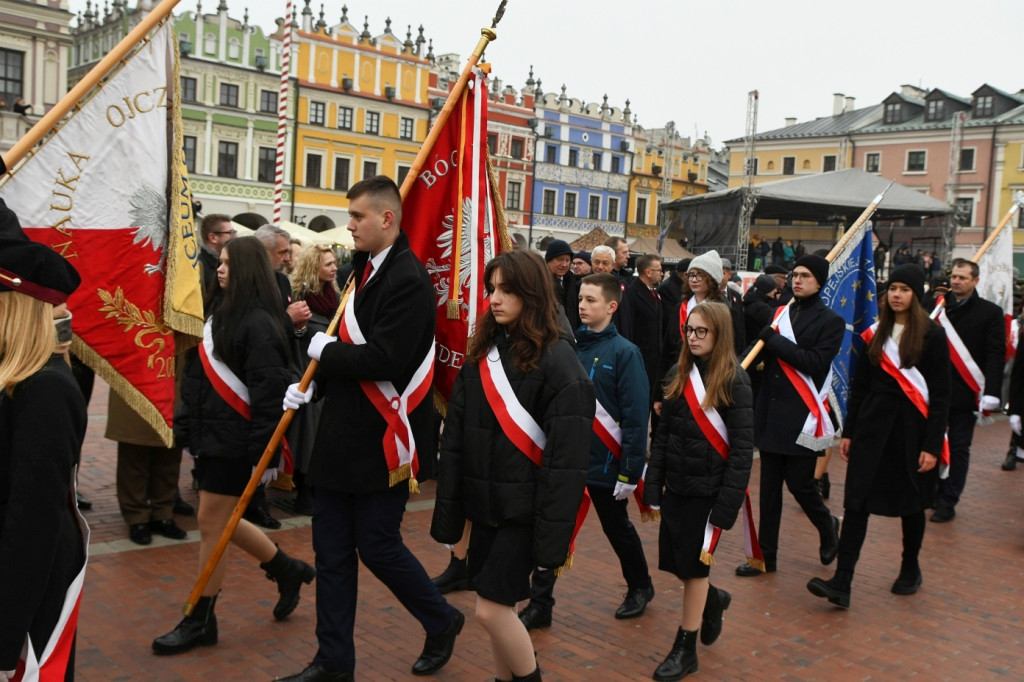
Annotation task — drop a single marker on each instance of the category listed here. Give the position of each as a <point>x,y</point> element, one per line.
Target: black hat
<point>557,248</point>
<point>939,282</point>
<point>36,270</point>
<point>912,275</point>
<point>582,255</point>
<point>764,284</point>
<point>683,265</point>
<point>775,270</point>
<point>817,265</point>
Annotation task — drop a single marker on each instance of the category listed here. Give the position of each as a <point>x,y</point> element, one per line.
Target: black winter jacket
<point>483,477</point>
<point>684,462</point>
<point>980,325</point>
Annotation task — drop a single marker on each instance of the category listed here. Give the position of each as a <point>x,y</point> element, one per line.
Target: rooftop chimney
<point>837,103</point>
<point>790,121</point>
<point>849,103</point>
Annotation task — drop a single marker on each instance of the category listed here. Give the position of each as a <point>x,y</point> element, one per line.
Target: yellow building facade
<point>659,156</point>
<point>781,159</point>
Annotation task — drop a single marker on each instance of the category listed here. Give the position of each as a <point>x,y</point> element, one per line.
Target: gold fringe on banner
<point>756,563</point>
<point>560,571</point>
<point>400,474</point>
<point>499,208</point>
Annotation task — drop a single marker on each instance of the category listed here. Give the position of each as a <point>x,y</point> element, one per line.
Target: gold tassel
<point>560,571</point>
<point>414,486</point>
<point>650,515</point>
<point>283,482</point>
<point>706,558</point>
<point>756,563</point>
<point>453,309</point>
<point>398,475</point>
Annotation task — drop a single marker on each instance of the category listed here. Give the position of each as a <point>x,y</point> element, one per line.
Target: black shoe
<point>711,623</point>
<point>304,500</point>
<point>635,603</point>
<point>907,582</point>
<point>315,672</point>
<point>199,627</point>
<point>454,577</point>
<point>289,574</point>
<point>830,543</point>
<point>533,618</point>
<point>824,485</point>
<point>83,504</point>
<point>438,648</point>
<point>1010,463</point>
<point>261,517</point>
<point>943,514</point>
<point>139,533</point>
<point>835,589</point>
<point>682,660</point>
<point>168,528</point>
<point>532,677</point>
<point>748,571</point>
<point>181,507</point>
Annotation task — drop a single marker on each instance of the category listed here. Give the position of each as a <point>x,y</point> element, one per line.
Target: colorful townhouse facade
<point>666,166</point>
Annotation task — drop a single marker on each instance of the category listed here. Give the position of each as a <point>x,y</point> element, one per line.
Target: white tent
<point>338,235</point>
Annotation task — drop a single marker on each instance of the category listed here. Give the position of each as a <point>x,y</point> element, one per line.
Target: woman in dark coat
<point>699,487</point>
<point>522,506</point>
<point>230,405</point>
<point>891,446</point>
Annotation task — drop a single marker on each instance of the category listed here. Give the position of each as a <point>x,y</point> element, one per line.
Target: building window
<point>268,101</point>
<point>595,208</point>
<point>405,129</point>
<point>936,110</point>
<point>210,43</point>
<point>234,49</point>
<point>514,192</point>
<point>595,160</point>
<point>345,118</point>
<point>551,154</point>
<point>613,208</point>
<point>872,162</point>
<point>788,165</point>
<point>965,211</point>
<point>341,175</point>
<point>570,204</point>
<point>492,144</point>
<point>403,171</point>
<point>227,159</point>
<point>369,169</point>
<point>549,202</point>
<point>317,111</point>
<point>12,74</point>
<point>641,211</point>
<point>753,171</point>
<point>188,88</point>
<point>983,106</point>
<point>574,157</point>
<point>893,113</point>
<point>966,160</point>
<point>267,165</point>
<point>372,123</point>
<point>228,95</point>
<point>916,161</point>
<point>517,148</point>
<point>314,163</point>
<point>616,164</point>
<point>828,163</point>
<point>189,145</point>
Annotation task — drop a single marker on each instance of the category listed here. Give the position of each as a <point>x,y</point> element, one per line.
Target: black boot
<point>199,627</point>
<point>829,548</point>
<point>836,589</point>
<point>711,624</point>
<point>454,577</point>
<point>532,677</point>
<point>1010,463</point>
<point>909,579</point>
<point>682,660</point>
<point>289,574</point>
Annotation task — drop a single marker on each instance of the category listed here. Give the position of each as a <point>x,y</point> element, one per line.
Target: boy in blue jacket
<point>620,383</point>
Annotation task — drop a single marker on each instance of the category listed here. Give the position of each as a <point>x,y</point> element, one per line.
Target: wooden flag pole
<point>49,121</point>
<point>836,250</point>
<point>1018,200</point>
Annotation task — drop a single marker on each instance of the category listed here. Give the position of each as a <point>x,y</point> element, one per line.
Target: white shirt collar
<point>377,261</point>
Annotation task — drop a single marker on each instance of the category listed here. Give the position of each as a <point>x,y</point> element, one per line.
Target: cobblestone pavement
<point>964,624</point>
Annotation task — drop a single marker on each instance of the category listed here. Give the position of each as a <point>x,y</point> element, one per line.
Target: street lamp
<point>532,123</point>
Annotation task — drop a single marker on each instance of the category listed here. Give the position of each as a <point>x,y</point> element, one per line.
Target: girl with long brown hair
<point>698,472</point>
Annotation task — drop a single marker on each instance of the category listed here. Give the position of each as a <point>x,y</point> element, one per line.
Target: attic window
<point>983,106</point>
<point>936,110</point>
<point>893,113</point>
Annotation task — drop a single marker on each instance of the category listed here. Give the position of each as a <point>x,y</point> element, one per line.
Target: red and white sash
<point>965,365</point>
<point>610,434</point>
<point>399,444</point>
<point>817,431</point>
<point>51,665</point>
<point>913,384</point>
<point>712,426</point>
<point>684,312</point>
<point>517,424</point>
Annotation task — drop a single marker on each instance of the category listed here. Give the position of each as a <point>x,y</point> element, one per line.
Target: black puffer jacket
<point>684,462</point>
<point>485,478</point>
<point>210,427</point>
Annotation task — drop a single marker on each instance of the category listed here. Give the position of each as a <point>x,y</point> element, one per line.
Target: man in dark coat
<point>979,324</point>
<point>780,414</point>
<point>621,248</point>
<point>359,496</point>
<point>672,287</point>
<point>643,319</point>
<point>567,286</point>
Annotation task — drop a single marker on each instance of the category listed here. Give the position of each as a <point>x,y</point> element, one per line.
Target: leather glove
<point>318,343</point>
<point>294,398</point>
<point>1015,423</point>
<point>623,490</point>
<point>990,403</point>
<point>766,333</point>
<point>270,474</point>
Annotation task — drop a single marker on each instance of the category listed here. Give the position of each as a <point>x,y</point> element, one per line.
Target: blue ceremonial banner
<point>850,291</point>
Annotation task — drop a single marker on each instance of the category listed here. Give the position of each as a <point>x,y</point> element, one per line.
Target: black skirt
<point>681,535</point>
<point>500,562</point>
<point>223,476</point>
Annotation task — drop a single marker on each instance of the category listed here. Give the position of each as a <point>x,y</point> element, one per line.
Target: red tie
<point>366,273</point>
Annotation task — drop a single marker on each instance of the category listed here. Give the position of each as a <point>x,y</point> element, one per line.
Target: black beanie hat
<point>683,265</point>
<point>765,284</point>
<point>817,265</point>
<point>912,275</point>
<point>557,248</point>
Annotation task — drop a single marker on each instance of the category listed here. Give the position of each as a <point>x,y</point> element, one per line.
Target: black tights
<point>855,528</point>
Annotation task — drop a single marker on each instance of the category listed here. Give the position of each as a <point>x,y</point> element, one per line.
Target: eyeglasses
<point>699,332</point>
<point>232,232</point>
<point>695,276</point>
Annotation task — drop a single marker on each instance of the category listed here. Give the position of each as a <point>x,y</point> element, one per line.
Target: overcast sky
<point>694,63</point>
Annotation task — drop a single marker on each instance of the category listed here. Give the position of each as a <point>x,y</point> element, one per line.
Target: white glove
<point>990,403</point>
<point>184,451</point>
<point>294,398</point>
<point>655,507</point>
<point>1015,423</point>
<point>623,490</point>
<point>318,343</point>
<point>270,474</point>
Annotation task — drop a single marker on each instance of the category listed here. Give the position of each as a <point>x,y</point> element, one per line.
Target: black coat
<point>981,326</point>
<point>643,325</point>
<point>41,431</point>
<point>483,477</point>
<point>888,434</point>
<point>684,462</point>
<point>671,291</point>
<point>397,312</point>
<point>758,311</point>
<point>209,426</point>
<point>780,412</point>
<point>568,294</point>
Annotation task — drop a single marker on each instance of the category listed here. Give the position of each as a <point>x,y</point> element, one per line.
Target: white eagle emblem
<point>440,270</point>
<point>149,213</point>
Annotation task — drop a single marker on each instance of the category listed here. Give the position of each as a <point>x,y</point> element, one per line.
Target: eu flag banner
<point>851,292</point>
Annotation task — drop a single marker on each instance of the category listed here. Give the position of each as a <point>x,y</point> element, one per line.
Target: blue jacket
<point>620,383</point>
